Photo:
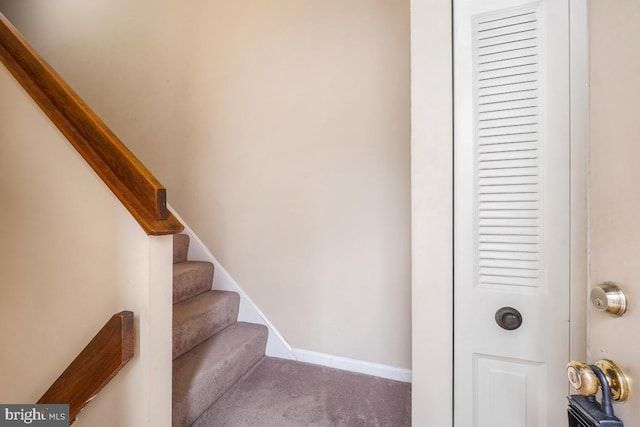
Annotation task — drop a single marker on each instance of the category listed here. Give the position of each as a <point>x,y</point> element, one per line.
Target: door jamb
<point>432,212</point>
<point>579,80</point>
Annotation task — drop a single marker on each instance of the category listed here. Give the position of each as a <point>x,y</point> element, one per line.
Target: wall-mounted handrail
<point>138,190</point>
<point>95,366</point>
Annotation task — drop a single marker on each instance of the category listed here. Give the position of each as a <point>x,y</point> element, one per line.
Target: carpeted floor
<point>282,393</point>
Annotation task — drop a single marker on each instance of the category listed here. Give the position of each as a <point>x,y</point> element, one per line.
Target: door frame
<point>432,201</point>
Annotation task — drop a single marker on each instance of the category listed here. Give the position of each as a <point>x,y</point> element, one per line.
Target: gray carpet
<point>282,393</point>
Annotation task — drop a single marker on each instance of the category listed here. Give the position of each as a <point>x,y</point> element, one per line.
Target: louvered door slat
<point>506,103</point>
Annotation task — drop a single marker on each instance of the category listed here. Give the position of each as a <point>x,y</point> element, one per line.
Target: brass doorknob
<point>582,378</point>
<point>585,381</point>
<point>609,297</point>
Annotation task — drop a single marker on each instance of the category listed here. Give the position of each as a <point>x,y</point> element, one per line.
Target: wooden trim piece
<point>133,184</point>
<point>95,366</point>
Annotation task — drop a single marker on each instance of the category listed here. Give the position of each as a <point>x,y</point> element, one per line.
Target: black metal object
<point>585,411</point>
<point>508,318</point>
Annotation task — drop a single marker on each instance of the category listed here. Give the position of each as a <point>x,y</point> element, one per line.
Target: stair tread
<point>203,374</point>
<point>202,316</point>
<point>191,278</point>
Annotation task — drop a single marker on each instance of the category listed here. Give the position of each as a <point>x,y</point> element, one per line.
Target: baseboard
<point>277,346</point>
<point>353,365</point>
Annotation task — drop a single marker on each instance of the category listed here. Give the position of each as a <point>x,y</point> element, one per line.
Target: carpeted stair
<point>211,349</point>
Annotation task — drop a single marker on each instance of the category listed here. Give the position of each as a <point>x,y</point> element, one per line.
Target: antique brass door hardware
<point>508,318</point>
<point>583,378</point>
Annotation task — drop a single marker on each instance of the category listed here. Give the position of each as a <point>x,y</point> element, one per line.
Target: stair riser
<point>180,247</point>
<point>191,279</point>
<point>199,318</point>
<point>202,375</point>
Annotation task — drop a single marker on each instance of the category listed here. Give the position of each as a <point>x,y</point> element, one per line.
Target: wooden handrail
<point>95,366</point>
<point>138,190</point>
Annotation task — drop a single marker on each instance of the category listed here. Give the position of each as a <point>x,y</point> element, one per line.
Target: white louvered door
<point>512,200</point>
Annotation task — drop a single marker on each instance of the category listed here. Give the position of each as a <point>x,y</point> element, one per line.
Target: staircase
<point>211,349</point>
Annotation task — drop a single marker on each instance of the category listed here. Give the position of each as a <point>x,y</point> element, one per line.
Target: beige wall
<point>70,257</point>
<point>281,130</point>
<point>614,182</point>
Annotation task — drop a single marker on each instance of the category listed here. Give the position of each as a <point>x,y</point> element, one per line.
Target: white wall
<point>281,129</point>
<point>614,179</point>
<point>70,257</point>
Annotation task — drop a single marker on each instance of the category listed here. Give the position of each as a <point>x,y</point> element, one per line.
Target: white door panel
<point>512,204</point>
<point>508,380</point>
